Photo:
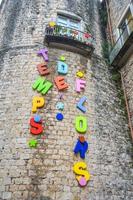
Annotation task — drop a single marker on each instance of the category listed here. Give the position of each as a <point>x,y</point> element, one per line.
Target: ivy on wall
<point>103,22</point>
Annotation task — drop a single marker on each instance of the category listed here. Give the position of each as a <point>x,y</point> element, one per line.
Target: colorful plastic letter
<point>60,83</point>
<point>42,85</point>
<point>80,169</point>
<point>32,143</point>
<point>80,84</point>
<point>82,139</point>
<point>52,24</point>
<point>80,104</point>
<point>82,182</point>
<point>37,102</point>
<point>60,96</point>
<point>62,67</point>
<point>59,116</point>
<point>36,128</point>
<point>43,53</point>
<point>80,74</point>
<point>42,69</point>
<point>81,148</point>
<point>81,124</point>
<point>60,106</point>
<point>62,58</point>
<point>37,118</point>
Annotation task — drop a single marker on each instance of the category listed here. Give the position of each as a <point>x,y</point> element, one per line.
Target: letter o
<point>81,124</point>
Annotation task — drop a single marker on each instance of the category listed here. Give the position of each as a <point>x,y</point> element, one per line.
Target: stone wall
<point>116,9</point>
<point>45,173</point>
<point>127,72</point>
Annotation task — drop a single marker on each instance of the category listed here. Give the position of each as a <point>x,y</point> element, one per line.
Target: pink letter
<point>80,84</point>
<point>43,53</point>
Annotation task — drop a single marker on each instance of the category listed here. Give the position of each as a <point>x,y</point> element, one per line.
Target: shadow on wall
<point>11,21</point>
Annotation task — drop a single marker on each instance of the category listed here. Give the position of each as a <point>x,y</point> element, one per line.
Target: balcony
<point>69,39</point>
<point>123,48</point>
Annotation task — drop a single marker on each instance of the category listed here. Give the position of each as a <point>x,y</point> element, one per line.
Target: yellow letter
<point>37,102</point>
<point>80,169</point>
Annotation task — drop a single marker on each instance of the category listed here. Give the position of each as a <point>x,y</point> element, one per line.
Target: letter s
<point>82,175</point>
<point>36,128</point>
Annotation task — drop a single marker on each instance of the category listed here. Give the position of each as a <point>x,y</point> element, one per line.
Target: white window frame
<point>73,16</point>
<point>68,20</point>
<point>129,7</point>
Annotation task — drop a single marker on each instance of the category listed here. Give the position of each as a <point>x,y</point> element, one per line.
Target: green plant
<point>116,77</point>
<point>87,28</point>
<point>103,16</point>
<point>104,21</point>
<point>121,97</point>
<point>105,50</point>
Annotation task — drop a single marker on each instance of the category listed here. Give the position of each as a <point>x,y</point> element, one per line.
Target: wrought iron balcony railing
<point>69,36</point>
<point>125,39</point>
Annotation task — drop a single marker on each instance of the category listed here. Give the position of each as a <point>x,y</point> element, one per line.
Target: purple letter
<point>43,53</point>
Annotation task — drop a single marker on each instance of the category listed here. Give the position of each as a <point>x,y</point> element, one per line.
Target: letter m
<point>42,85</point>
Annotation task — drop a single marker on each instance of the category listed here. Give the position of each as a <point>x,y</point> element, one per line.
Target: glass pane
<point>123,31</point>
<point>74,24</point>
<point>130,21</point>
<point>123,26</point>
<point>62,21</point>
<point>129,16</point>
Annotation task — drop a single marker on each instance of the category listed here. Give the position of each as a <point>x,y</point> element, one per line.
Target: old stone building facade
<point>120,29</point>
<point>46,172</point>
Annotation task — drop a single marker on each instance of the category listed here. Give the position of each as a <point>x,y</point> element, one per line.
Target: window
<point>68,22</point>
<point>126,26</point>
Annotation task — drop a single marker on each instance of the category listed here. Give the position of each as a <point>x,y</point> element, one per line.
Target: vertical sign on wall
<point>42,86</point>
<point>80,168</point>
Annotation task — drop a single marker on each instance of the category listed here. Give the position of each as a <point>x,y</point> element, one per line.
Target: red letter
<point>36,128</point>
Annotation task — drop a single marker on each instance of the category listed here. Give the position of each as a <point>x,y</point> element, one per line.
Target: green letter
<point>42,85</point>
<point>81,124</point>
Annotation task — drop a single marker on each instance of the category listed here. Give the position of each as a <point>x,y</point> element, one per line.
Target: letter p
<point>37,102</point>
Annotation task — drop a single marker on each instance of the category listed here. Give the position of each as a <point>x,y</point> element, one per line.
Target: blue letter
<point>81,148</point>
<point>80,104</point>
<point>62,67</point>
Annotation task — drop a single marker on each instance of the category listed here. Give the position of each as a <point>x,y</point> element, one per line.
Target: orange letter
<point>42,69</point>
<point>60,83</point>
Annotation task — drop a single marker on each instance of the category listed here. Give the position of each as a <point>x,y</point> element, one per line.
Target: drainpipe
<point>127,106</point>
